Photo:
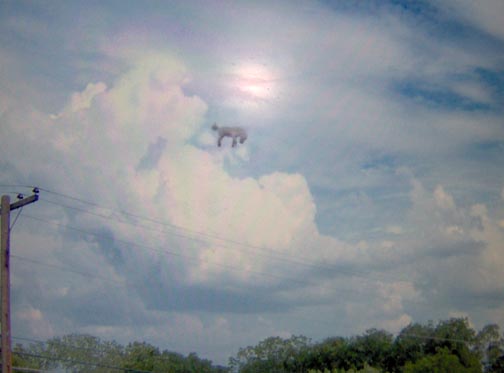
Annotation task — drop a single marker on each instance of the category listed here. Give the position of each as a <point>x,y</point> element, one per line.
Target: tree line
<point>448,346</point>
<point>79,353</point>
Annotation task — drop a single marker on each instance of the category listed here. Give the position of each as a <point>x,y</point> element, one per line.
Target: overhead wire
<point>184,256</point>
<point>16,218</point>
<point>242,246</point>
<point>269,254</point>
<point>164,251</point>
<point>56,341</point>
<point>435,338</point>
<point>79,362</point>
<point>199,260</point>
<point>401,336</point>
<point>169,253</point>
<point>38,341</point>
<point>28,370</point>
<point>63,268</point>
<point>134,285</point>
<point>266,251</point>
<point>359,274</point>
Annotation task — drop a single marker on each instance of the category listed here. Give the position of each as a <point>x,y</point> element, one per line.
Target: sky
<point>369,193</point>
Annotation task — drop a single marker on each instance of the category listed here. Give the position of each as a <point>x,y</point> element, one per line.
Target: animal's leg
<point>234,142</point>
<point>242,139</point>
<point>219,141</point>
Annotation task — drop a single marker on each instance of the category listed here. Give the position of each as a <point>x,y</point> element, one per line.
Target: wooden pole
<point>5,275</point>
<point>5,279</point>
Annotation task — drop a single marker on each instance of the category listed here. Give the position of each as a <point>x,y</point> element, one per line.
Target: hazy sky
<point>370,192</point>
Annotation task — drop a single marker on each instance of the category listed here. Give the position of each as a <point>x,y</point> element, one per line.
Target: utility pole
<point>7,207</point>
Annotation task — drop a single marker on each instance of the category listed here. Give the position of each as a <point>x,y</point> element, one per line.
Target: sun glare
<point>254,82</point>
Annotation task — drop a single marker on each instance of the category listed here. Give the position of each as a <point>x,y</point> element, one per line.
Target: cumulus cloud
<point>82,100</point>
<point>108,132</point>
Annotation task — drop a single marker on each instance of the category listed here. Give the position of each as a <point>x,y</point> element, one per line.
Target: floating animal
<point>233,132</point>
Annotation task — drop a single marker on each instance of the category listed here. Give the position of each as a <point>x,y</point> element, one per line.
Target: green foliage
<point>451,344</point>
<point>448,346</point>
<point>366,369</point>
<point>441,362</point>
<point>374,348</point>
<point>78,353</point>
<point>490,347</point>
<point>274,354</point>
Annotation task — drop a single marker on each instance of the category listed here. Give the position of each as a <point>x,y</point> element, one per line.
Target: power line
<point>28,370</point>
<point>15,186</point>
<point>16,218</point>
<point>435,338</point>
<point>197,260</point>
<point>63,268</point>
<point>96,350</point>
<point>79,362</point>
<point>156,221</point>
<point>93,350</point>
<point>134,285</point>
<point>267,251</point>
<point>38,341</point>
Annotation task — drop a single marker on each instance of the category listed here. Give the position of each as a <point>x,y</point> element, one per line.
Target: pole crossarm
<point>23,202</point>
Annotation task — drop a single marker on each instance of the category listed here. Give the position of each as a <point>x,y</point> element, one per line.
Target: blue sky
<point>369,193</point>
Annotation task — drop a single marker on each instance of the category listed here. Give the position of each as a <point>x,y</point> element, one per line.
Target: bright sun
<point>254,82</point>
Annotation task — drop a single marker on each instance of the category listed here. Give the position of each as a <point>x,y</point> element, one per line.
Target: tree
<point>459,338</point>
<point>71,350</point>
<point>373,348</point>
<point>273,354</point>
<point>84,353</point>
<point>140,356</point>
<point>411,344</point>
<point>441,362</point>
<point>490,346</point>
<point>21,358</point>
<point>325,355</point>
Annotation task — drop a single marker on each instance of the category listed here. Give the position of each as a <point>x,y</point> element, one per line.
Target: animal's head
<point>215,127</point>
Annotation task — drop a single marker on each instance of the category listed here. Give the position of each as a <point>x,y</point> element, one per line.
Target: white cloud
<point>486,15</point>
<point>443,199</point>
<point>36,322</point>
<point>105,134</point>
<point>396,325</point>
<point>82,100</point>
<point>475,91</point>
<point>451,237</point>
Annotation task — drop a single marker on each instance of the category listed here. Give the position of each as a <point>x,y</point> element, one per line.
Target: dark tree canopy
<point>448,346</point>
